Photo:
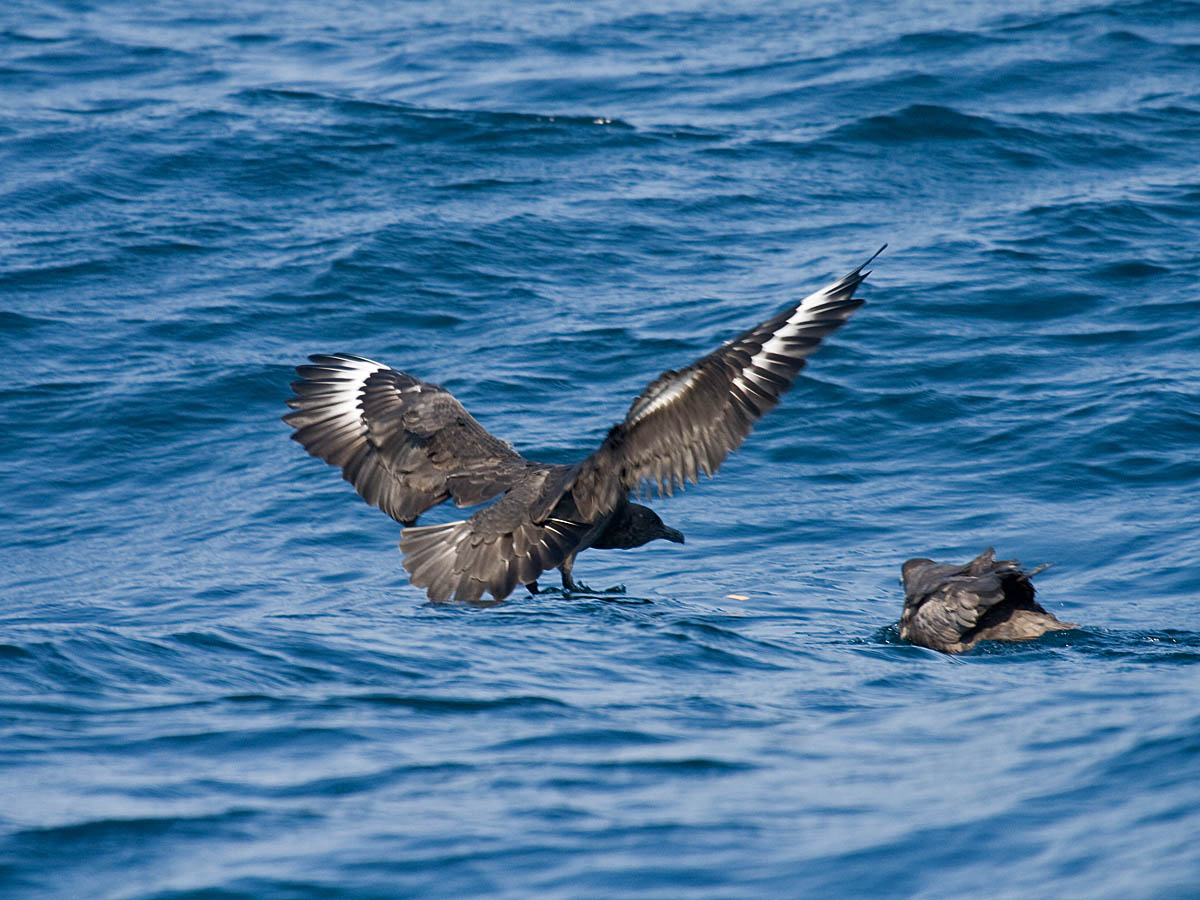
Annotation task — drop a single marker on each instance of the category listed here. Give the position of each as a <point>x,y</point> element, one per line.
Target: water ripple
<point>215,678</point>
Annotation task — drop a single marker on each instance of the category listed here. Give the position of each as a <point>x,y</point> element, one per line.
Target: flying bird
<point>407,445</point>
<point>952,608</point>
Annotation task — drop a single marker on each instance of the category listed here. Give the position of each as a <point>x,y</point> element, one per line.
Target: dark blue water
<point>215,679</point>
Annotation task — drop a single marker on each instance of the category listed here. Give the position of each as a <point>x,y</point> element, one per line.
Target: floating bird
<point>952,608</point>
<point>407,445</point>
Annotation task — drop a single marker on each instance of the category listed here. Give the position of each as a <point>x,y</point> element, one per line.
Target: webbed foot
<point>577,587</point>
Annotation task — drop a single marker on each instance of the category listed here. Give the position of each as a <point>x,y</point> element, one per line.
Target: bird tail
<point>461,560</point>
<point>430,553</point>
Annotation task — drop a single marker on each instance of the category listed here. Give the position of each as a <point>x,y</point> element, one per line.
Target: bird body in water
<point>952,608</point>
<point>407,445</point>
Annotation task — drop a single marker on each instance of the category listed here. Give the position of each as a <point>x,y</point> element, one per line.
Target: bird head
<point>649,527</point>
<point>635,525</point>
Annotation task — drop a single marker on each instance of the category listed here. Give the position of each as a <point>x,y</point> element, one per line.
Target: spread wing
<point>688,421</point>
<point>404,444</point>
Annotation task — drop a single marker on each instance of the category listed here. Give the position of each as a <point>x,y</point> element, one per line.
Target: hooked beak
<point>675,537</point>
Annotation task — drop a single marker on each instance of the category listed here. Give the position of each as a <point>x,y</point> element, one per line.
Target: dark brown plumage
<point>407,445</point>
<point>952,608</point>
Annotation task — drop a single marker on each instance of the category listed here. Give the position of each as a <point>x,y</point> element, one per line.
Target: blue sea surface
<point>215,679</point>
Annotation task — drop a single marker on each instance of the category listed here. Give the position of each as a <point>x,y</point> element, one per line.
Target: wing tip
<point>858,272</point>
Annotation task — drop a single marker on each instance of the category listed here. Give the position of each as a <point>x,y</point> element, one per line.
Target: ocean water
<point>215,679</point>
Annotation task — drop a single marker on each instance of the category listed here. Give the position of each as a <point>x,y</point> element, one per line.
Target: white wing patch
<point>780,343</point>
<point>663,397</point>
<point>344,396</point>
<point>344,378</point>
<point>804,314</point>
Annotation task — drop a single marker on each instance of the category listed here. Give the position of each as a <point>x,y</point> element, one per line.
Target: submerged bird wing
<point>687,421</point>
<point>510,542</point>
<point>943,604</point>
<point>404,444</point>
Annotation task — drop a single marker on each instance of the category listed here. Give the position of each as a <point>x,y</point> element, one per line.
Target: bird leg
<point>569,584</point>
<point>532,587</point>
